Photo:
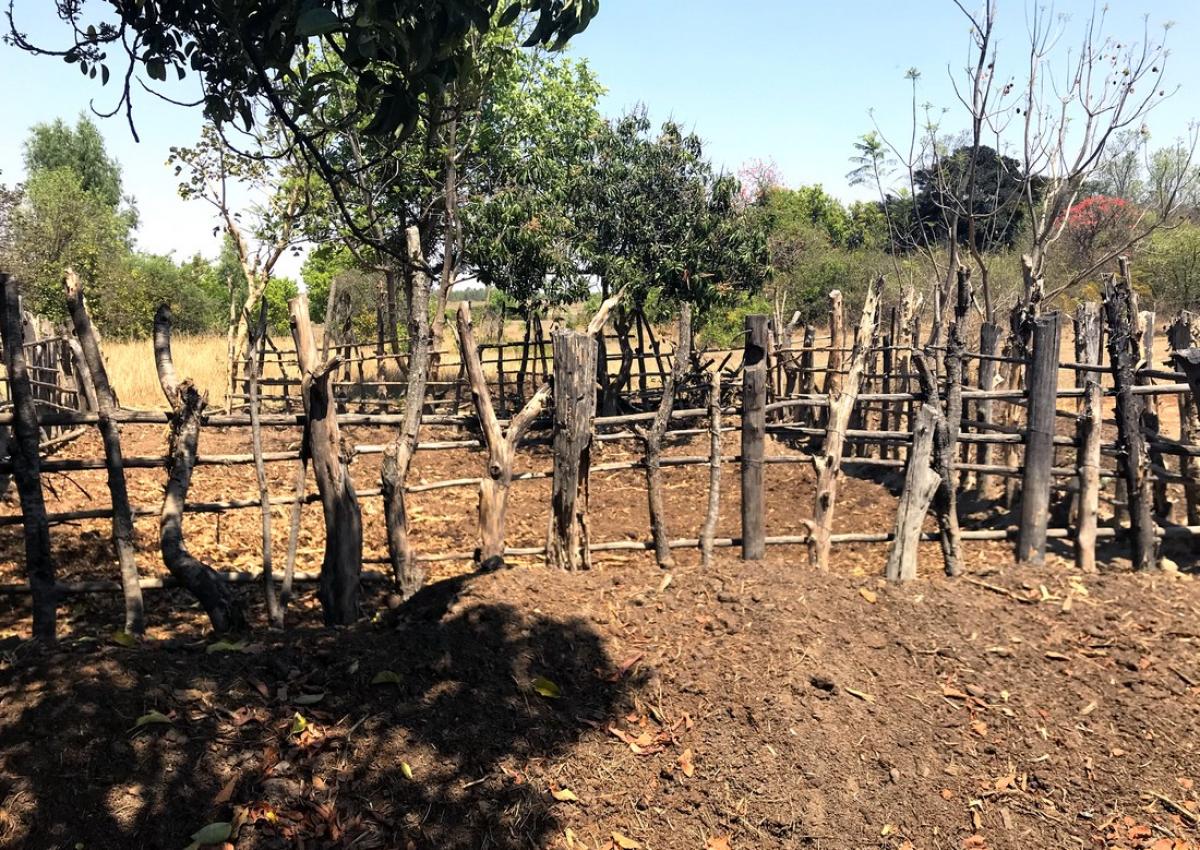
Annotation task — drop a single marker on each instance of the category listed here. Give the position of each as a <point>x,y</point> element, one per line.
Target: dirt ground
<point>747,705</point>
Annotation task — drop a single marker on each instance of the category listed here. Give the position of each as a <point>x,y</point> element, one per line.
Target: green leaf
<point>153,718</point>
<point>510,15</point>
<point>309,699</point>
<point>214,833</point>
<point>157,69</point>
<point>406,770</point>
<point>318,21</point>
<point>226,646</point>
<point>299,723</point>
<point>547,688</point>
<point>123,638</point>
<point>386,677</point>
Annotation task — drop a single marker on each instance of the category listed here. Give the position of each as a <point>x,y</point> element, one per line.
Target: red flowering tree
<point>1096,225</point>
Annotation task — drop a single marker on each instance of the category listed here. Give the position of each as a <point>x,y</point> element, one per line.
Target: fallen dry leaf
<point>564,795</point>
<point>226,792</point>
<point>686,764</point>
<point>718,842</point>
<point>624,842</point>
<point>869,595</point>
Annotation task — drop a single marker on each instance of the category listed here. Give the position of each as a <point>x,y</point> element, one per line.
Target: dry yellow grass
<point>131,371</point>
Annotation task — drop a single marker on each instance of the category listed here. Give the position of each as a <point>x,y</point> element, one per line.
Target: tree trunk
<point>502,447</point>
<point>945,500</point>
<point>406,570</point>
<point>652,439</point>
<point>342,565</point>
<point>574,409</point>
<point>25,452</point>
<point>1037,472</point>
<point>110,432</point>
<point>843,393</point>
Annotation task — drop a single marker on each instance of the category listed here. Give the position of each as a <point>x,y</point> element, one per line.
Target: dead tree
<point>256,348</point>
<point>714,468</point>
<point>342,564</point>
<point>1131,444</point>
<point>407,572</point>
<point>110,432</point>
<point>25,452</point>
<point>842,397</point>
<point>1181,338</point>
<point>187,406</point>
<point>945,500</point>
<point>502,446</point>
<point>652,439</point>
<point>574,410</point>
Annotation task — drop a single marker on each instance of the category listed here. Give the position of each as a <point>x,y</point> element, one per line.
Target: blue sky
<point>794,81</point>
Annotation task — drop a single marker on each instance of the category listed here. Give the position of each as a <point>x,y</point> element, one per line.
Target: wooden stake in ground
<point>652,439</point>
<point>1131,445</point>
<point>828,464</point>
<point>187,405</point>
<point>709,531</point>
<point>26,457</point>
<point>406,570</point>
<point>255,349</point>
<point>574,410</point>
<point>754,429</point>
<point>1089,476</point>
<point>1181,338</point>
<point>110,432</point>
<point>502,446</point>
<point>920,483</point>
<point>342,564</point>
<point>945,500</point>
<point>1039,441</point>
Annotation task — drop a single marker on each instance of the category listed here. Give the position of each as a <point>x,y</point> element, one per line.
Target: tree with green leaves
<point>79,149</point>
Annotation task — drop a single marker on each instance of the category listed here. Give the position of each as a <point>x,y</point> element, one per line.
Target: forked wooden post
<point>502,446</point>
<point>754,430</point>
<point>574,409</point>
<point>1131,444</point>
<point>828,463</point>
<point>26,457</point>
<point>110,432</point>
<point>1039,442</point>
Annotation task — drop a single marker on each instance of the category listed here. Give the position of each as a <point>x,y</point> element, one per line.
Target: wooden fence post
<point>652,439</point>
<point>187,407</point>
<point>828,463</point>
<point>574,409</point>
<point>1182,337</point>
<point>754,422</point>
<point>920,483</point>
<point>25,451</point>
<point>1039,441</point>
<point>342,564</point>
<point>1131,445</point>
<point>989,346</point>
<point>502,446</point>
<point>110,432</point>
<point>711,516</point>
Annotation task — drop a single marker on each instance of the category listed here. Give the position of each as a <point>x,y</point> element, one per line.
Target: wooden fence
<point>1049,445</point>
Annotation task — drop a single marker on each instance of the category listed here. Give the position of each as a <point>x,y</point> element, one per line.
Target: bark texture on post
<point>187,406</point>
<point>652,439</point>
<point>1181,338</point>
<point>945,501</point>
<point>407,572</point>
<point>1036,478</point>
<point>1131,445</point>
<point>709,530</point>
<point>502,446</point>
<point>342,564</point>
<point>754,429</point>
<point>110,433</point>
<point>574,409</point>
<point>25,451</point>
<point>828,464</point>
<point>920,483</point>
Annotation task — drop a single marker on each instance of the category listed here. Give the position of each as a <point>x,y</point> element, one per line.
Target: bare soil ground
<point>749,705</point>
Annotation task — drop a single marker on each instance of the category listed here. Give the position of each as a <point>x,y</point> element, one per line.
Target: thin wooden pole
<point>712,515</point>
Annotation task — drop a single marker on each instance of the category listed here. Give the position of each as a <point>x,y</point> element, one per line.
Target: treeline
<point>71,211</point>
